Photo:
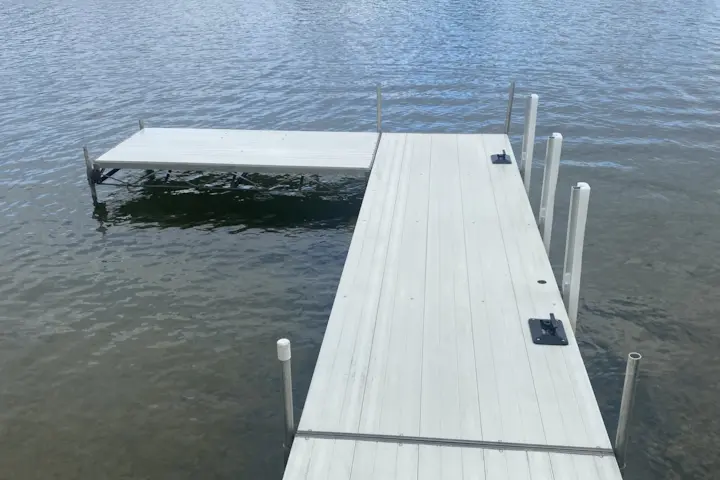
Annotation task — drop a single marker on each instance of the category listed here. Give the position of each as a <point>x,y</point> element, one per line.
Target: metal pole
<point>547,199</point>
<point>379,109</point>
<point>141,124</point>
<point>528,144</point>
<point>626,405</point>
<point>572,268</point>
<point>283,353</point>
<point>508,115</point>
<point>90,170</point>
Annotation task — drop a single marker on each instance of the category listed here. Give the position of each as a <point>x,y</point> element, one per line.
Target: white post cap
<point>283,349</point>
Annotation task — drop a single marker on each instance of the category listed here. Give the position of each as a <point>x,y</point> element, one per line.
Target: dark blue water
<point>138,342</point>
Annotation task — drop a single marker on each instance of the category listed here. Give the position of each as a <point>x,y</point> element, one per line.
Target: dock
<point>427,368</point>
<point>450,350</point>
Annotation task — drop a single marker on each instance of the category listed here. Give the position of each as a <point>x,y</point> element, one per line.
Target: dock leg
<point>626,405</point>
<point>508,115</point>
<point>90,170</point>
<point>577,219</point>
<point>547,199</point>
<point>528,143</point>
<point>379,109</point>
<point>284,355</point>
<point>141,124</point>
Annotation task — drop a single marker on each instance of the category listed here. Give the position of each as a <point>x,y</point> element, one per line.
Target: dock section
<point>428,369</point>
<point>256,151</point>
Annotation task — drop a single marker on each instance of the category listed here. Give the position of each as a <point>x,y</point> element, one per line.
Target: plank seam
<point>456,442</point>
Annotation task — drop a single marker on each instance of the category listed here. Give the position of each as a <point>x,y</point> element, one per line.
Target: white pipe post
<point>547,199</point>
<point>528,144</point>
<point>574,241</point>
<point>90,171</point>
<point>284,355</point>
<point>379,109</point>
<point>626,405</point>
<point>508,114</point>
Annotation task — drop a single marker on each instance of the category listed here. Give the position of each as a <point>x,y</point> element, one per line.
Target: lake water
<point>140,343</point>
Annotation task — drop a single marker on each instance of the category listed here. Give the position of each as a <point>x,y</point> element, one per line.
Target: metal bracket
<point>548,331</point>
<point>500,158</point>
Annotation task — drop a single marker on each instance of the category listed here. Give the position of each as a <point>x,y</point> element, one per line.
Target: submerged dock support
<point>528,143</point>
<point>574,242</point>
<point>508,114</point>
<point>284,355</point>
<point>626,405</point>
<point>90,170</point>
<point>547,199</point>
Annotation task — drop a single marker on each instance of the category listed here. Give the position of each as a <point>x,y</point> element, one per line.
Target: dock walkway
<point>427,369</point>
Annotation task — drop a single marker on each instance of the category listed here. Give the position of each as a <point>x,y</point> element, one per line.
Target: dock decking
<point>427,368</point>
<point>257,151</point>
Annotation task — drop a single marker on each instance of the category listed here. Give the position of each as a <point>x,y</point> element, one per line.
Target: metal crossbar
<point>289,184</point>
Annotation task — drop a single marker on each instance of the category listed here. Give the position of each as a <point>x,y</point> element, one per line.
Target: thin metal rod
<point>108,175</point>
<point>284,355</point>
<point>455,442</point>
<point>626,405</point>
<point>379,109</point>
<point>528,144</point>
<point>574,241</point>
<point>547,199</point>
<point>141,124</point>
<point>508,115</point>
<point>90,171</point>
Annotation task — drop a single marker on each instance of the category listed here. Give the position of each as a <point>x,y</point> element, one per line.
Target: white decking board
<point>260,151</point>
<point>428,335</point>
<point>365,460</point>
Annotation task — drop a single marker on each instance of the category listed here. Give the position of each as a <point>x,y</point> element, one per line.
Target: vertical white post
<point>379,109</point>
<point>528,144</point>
<point>90,171</point>
<point>508,114</point>
<point>574,241</point>
<point>547,199</point>
<point>626,405</point>
<point>284,355</point>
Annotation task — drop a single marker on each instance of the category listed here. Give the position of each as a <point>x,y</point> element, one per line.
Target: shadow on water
<point>174,203</point>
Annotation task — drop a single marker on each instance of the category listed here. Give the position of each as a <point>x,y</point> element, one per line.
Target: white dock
<point>427,369</point>
<point>257,151</point>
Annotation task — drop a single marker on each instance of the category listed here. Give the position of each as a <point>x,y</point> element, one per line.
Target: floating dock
<point>450,351</point>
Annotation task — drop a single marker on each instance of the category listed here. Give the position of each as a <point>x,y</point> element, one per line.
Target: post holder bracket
<point>546,331</point>
<point>500,158</point>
